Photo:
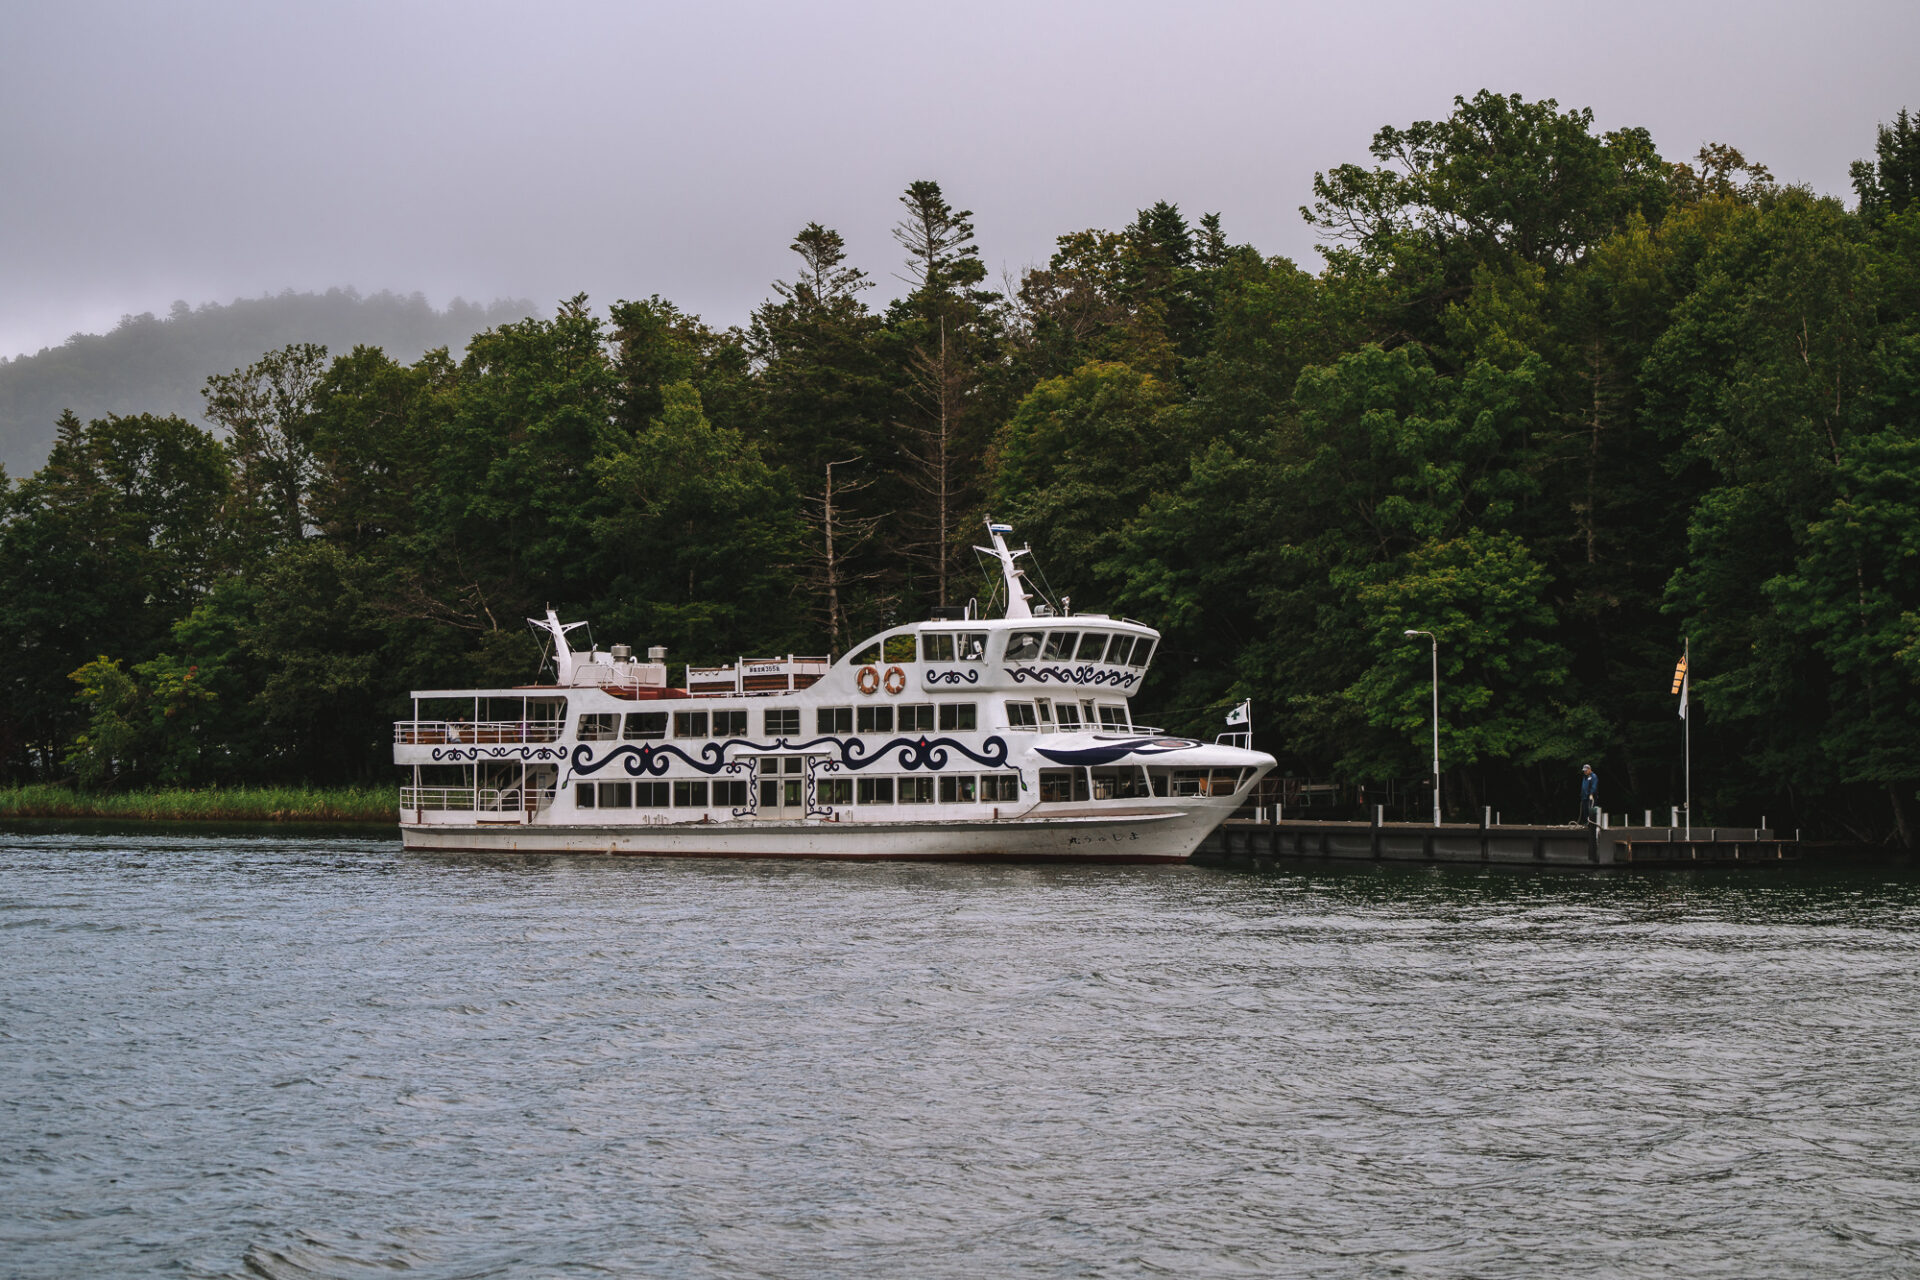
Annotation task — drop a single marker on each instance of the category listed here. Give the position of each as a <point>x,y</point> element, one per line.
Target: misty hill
<point>149,364</point>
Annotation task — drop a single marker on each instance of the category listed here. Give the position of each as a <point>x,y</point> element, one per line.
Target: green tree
<point>1502,676</point>
<point>701,536</point>
<point>1890,182</point>
<point>1079,457</point>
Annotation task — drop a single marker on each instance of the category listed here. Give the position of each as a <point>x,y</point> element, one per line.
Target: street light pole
<point>1436,719</point>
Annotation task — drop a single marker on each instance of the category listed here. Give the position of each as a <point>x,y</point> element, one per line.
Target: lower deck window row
<point>681,793</point>
<point>1130,782</point>
<point>990,788</point>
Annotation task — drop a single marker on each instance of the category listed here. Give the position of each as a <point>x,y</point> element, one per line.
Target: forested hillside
<point>149,364</point>
<point>1558,398</point>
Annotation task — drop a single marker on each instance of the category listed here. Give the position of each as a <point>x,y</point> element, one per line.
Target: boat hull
<point>1146,836</point>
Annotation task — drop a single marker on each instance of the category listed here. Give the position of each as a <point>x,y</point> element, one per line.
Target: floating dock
<point>1251,843</point>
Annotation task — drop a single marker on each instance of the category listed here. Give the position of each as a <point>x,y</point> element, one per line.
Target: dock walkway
<point>1241,842</point>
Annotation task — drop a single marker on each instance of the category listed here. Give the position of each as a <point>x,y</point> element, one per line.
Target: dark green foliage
<point>1890,182</point>
<point>1560,402</point>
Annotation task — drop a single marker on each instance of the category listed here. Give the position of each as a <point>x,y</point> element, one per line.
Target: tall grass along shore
<point>227,804</point>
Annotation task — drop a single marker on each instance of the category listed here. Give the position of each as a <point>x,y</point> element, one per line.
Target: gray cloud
<point>205,151</point>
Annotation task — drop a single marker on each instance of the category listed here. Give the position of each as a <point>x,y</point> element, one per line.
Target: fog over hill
<point>152,364</point>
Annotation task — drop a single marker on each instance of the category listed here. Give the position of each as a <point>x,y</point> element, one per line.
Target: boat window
<point>1117,649</point>
<point>730,794</point>
<point>616,795</point>
<point>545,716</point>
<point>781,720</point>
<point>867,656</point>
<point>833,720</point>
<point>958,717</point>
<point>1128,782</point>
<point>916,790</point>
<point>646,724</point>
<point>598,727</point>
<point>730,724</point>
<point>583,795</point>
<point>690,793</point>
<point>1142,650</point>
<point>1069,717</point>
<point>970,646</point>
<point>1190,782</point>
<point>916,716</point>
<point>689,724</point>
<point>938,646</point>
<point>1020,716</point>
<point>650,795</point>
<point>1112,716</point>
<point>876,791</point>
<point>794,764</point>
<point>999,786</point>
<point>956,789</point>
<point>1023,646</point>
<point>1093,646</point>
<point>1059,786</point>
<point>876,719</point>
<point>900,648</point>
<point>1045,708</point>
<point>1059,645</point>
<point>1226,781</point>
<point>836,791</point>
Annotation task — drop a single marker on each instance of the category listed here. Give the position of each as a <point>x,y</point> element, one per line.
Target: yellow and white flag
<point>1680,685</point>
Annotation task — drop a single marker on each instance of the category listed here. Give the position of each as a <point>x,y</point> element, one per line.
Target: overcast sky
<point>156,151</point>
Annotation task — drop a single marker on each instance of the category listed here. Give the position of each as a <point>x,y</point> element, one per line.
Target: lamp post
<point>1436,719</point>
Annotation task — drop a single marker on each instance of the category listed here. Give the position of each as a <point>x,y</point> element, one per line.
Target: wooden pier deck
<point>1243,842</point>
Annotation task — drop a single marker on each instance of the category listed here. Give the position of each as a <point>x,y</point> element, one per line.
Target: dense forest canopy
<point>1555,398</point>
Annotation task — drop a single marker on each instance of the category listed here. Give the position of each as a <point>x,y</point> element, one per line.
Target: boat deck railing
<point>418,732</point>
<point>757,677</point>
<point>476,799</point>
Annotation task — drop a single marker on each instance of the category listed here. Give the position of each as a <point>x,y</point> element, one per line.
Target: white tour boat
<point>957,737</point>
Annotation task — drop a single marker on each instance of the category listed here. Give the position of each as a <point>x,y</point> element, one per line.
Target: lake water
<point>319,1057</point>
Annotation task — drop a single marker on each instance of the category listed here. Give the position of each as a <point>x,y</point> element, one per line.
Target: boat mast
<point>1017,594</point>
<point>562,651</point>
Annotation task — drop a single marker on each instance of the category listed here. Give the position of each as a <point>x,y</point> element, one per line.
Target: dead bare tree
<point>840,536</point>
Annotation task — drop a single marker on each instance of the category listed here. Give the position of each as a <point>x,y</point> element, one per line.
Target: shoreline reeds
<point>221,804</point>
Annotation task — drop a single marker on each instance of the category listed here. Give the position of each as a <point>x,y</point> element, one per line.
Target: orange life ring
<point>896,680</point>
<point>868,680</point>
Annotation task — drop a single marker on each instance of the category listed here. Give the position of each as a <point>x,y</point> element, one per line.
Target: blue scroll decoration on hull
<point>655,759</point>
<point>1083,675</point>
<point>500,753</point>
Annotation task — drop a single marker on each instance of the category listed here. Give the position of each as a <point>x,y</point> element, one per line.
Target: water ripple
<point>306,1058</point>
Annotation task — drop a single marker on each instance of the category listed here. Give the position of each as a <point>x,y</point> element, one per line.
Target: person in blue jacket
<point>1589,793</point>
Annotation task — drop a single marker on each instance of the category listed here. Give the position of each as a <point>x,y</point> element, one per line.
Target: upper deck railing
<point>472,732</point>
<point>756,677</point>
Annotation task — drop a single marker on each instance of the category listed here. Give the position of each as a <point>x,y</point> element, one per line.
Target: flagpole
<point>1686,704</point>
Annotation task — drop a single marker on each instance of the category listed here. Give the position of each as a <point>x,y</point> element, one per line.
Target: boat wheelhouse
<point>953,737</point>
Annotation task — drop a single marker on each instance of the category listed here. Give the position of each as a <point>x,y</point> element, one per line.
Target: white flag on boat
<point>1242,714</point>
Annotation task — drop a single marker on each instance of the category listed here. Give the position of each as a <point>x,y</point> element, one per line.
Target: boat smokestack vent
<point>622,652</point>
<point>657,653</point>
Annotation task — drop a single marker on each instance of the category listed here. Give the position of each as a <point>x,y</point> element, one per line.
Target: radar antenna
<point>1012,574</point>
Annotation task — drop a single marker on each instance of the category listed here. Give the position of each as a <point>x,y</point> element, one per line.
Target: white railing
<point>477,799</point>
<point>756,676</point>
<point>420,732</point>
